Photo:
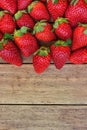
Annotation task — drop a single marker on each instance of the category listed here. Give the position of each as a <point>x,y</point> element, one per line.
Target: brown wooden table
<point>54,100</point>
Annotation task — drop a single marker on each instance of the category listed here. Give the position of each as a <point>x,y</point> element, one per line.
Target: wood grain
<point>23,86</point>
<point>43,118</point>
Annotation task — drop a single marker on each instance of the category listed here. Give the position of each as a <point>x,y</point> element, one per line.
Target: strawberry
<point>79,56</point>
<point>24,19</point>
<point>77,12</point>
<point>41,60</point>
<point>25,41</point>
<point>60,52</point>
<point>57,8</point>
<point>62,28</point>
<point>79,37</point>
<point>7,23</point>
<point>10,5</point>
<point>23,4</point>
<point>43,31</point>
<point>9,52</point>
<point>38,11</point>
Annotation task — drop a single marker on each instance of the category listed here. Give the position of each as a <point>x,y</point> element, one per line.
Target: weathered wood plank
<point>23,85</point>
<point>43,118</point>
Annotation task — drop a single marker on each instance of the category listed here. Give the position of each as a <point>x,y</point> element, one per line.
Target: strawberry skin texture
<point>41,63</point>
<point>7,24</point>
<point>38,11</point>
<point>77,13</point>
<point>27,44</point>
<point>57,9</point>
<point>10,53</point>
<point>10,5</point>
<point>79,56</point>
<point>64,31</point>
<point>60,54</point>
<point>46,35</point>
<point>79,38</point>
<point>25,20</point>
<point>22,4</point>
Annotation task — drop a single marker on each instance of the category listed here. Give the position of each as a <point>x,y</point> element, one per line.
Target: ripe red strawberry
<point>25,41</point>
<point>57,8</point>
<point>10,5</point>
<point>7,23</point>
<point>10,53</point>
<point>41,60</point>
<point>38,11</point>
<point>79,37</point>
<point>23,4</point>
<point>77,12</point>
<point>79,56</point>
<point>43,31</point>
<point>60,52</point>
<point>62,28</point>
<point>24,19</point>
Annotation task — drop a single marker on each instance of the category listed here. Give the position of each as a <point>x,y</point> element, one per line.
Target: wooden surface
<point>54,100</point>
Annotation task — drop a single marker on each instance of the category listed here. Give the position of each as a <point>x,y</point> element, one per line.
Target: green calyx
<point>3,42</point>
<point>85,27</point>
<point>39,26</point>
<point>59,21</point>
<point>2,13</point>
<point>85,1</point>
<point>43,51</point>
<point>5,39</point>
<point>8,36</point>
<point>19,14</point>
<point>21,31</point>
<point>85,31</point>
<point>30,7</point>
<point>54,1</point>
<point>63,43</point>
<point>74,2</point>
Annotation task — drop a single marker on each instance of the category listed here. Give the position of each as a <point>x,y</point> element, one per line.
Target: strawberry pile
<point>47,29</point>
